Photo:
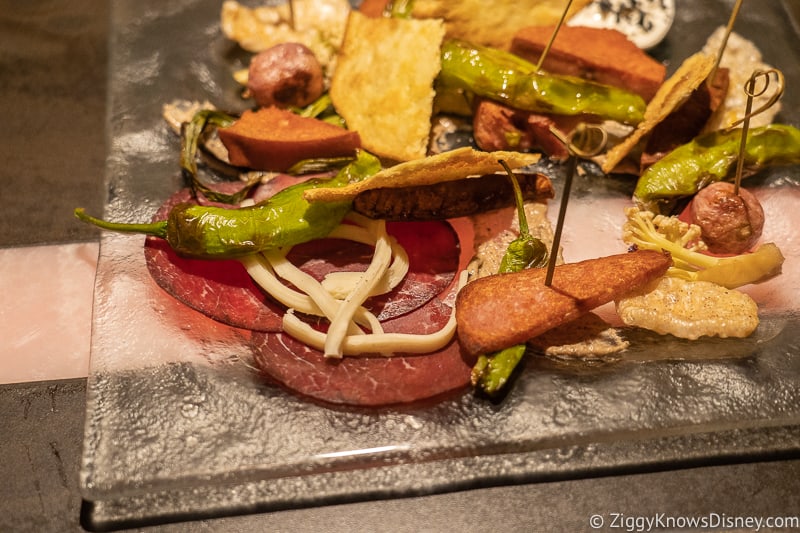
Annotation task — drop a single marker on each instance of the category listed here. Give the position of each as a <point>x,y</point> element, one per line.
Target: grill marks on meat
<point>502,310</point>
<point>450,199</point>
<point>225,292</point>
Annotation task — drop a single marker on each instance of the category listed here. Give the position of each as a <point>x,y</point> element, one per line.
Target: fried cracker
<point>447,166</point>
<point>692,72</point>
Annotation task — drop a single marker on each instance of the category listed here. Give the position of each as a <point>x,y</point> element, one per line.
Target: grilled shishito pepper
<point>503,77</point>
<point>712,157</point>
<point>284,219</point>
<point>491,372</point>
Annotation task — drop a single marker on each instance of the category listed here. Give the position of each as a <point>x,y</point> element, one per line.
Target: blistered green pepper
<point>713,157</point>
<point>284,219</point>
<point>491,372</point>
<point>511,80</point>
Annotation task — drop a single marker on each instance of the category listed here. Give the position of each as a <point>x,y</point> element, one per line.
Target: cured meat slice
<point>220,289</point>
<point>224,291</point>
<point>368,380</point>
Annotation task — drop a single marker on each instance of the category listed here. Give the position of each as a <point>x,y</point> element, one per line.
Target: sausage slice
<point>502,310</point>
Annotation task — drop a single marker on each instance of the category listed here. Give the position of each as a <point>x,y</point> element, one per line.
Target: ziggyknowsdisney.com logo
<point>660,521</point>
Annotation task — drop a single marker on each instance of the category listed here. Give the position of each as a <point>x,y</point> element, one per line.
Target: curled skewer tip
<point>756,86</point>
<point>585,141</point>
<point>753,90</point>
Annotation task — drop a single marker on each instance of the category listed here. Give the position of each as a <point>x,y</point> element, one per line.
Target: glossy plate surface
<point>180,426</point>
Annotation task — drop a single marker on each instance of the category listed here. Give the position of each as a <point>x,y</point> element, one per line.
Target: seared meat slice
<point>450,199</point>
<point>495,312</point>
<point>499,127</point>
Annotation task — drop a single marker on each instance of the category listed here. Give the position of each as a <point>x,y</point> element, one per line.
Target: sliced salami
<point>368,380</point>
<point>224,291</point>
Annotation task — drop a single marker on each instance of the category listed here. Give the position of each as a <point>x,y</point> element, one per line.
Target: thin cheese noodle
<point>340,323</point>
<point>329,306</point>
<point>352,233</point>
<point>341,295</point>
<point>385,344</point>
<point>262,273</point>
<point>339,284</point>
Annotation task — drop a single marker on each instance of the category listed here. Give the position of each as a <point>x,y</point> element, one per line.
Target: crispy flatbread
<point>383,83</point>
<point>674,92</point>
<point>447,166</point>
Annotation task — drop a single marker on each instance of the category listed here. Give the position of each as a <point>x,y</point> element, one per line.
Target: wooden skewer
<point>581,147</point>
<point>728,30</point>
<point>750,91</point>
<point>562,213</point>
<point>750,88</point>
<point>553,36</point>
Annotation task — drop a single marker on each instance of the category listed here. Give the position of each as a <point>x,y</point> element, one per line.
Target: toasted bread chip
<point>447,166</point>
<point>503,310</point>
<point>383,84</point>
<point>692,72</point>
<point>493,23</point>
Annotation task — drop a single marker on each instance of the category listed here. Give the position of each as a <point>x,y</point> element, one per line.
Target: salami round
<point>222,289</point>
<point>368,380</point>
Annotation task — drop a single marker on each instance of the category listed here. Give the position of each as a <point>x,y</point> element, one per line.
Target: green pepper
<point>712,157</point>
<point>511,80</point>
<point>285,219</point>
<point>491,372</point>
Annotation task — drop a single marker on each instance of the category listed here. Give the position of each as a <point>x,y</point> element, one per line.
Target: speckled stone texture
<point>53,64</point>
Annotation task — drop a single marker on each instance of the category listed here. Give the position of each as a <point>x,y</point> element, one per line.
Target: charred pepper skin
<point>285,219</point>
<point>713,157</point>
<point>503,77</point>
<point>491,372</point>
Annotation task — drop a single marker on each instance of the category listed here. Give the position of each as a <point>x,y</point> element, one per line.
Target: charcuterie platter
<point>181,422</point>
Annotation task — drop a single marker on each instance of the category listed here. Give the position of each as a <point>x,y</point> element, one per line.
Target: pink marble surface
<point>45,319</point>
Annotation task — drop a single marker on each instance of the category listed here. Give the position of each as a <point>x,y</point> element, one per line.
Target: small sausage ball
<point>730,223</point>
<point>284,75</point>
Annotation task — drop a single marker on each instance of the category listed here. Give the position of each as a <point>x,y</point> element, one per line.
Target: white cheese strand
<point>339,326</point>
<point>386,344</point>
<point>262,273</point>
<point>259,268</point>
<point>387,269</point>
<point>329,306</point>
<point>339,284</point>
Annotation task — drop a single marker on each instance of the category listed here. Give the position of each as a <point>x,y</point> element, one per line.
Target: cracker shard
<point>448,166</point>
<point>383,83</point>
<point>502,310</point>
